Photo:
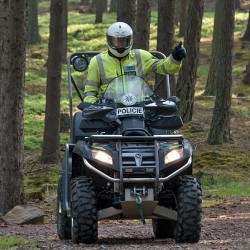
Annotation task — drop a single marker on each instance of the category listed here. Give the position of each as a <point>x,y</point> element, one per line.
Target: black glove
<point>179,52</point>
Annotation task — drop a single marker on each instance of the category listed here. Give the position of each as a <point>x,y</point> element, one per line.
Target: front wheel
<point>163,228</point>
<point>84,225</point>
<point>189,210</point>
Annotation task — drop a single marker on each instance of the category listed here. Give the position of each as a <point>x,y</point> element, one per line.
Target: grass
<point>224,186</point>
<point>10,242</point>
<point>83,35</point>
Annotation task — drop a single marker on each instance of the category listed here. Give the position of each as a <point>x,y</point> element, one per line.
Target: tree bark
<point>99,9</point>
<point>183,16</point>
<point>126,11</point>
<point>33,28</point>
<point>104,5</point>
<point>237,4</point>
<point>13,34</point>
<point>211,84</point>
<point>113,6</point>
<point>51,138</point>
<point>65,32</point>
<point>210,89</point>
<point>185,88</point>
<point>142,29</point>
<point>85,2</point>
<point>222,75</point>
<point>246,36</point>
<point>247,77</point>
<point>165,38</point>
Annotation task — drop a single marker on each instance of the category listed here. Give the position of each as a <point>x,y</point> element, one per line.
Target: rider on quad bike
<point>126,159</point>
<point>121,59</point>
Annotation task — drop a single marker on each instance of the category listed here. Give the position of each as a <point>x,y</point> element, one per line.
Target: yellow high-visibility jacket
<point>104,67</point>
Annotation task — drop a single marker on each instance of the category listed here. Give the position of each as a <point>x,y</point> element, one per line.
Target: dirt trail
<point>224,226</point>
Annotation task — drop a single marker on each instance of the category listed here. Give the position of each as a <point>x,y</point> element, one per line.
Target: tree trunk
<point>104,5</point>
<point>85,2</point>
<point>65,32</point>
<point>33,29</point>
<point>165,38</point>
<point>154,4</point>
<point>211,84</point>
<point>13,32</point>
<point>142,29</point>
<point>126,11</point>
<point>113,6</point>
<point>246,35</point>
<point>183,16</point>
<point>210,89</point>
<point>223,47</point>
<point>51,138</point>
<point>185,89</point>
<point>92,8</point>
<point>247,77</point>
<point>177,12</point>
<point>99,8</point>
<point>237,5</point>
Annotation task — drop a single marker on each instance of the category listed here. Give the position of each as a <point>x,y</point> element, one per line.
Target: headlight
<point>173,155</point>
<point>102,156</point>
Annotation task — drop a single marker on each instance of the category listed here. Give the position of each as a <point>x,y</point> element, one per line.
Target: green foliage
<point>39,177</point>
<point>85,35</point>
<point>223,171</point>
<point>65,138</point>
<point>240,22</point>
<point>34,121</point>
<point>238,69</point>
<point>222,158</point>
<point>35,104</point>
<point>207,24</point>
<point>202,71</point>
<point>226,186</point>
<point>8,242</point>
<point>32,142</point>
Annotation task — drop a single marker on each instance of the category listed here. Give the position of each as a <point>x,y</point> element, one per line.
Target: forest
<point>37,36</point>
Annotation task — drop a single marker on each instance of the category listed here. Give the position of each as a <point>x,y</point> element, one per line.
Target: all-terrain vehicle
<point>126,160</point>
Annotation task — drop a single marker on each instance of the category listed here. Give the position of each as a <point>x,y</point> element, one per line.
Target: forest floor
<point>224,226</point>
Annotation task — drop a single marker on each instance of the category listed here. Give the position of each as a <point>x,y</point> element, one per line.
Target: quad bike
<point>126,161</point>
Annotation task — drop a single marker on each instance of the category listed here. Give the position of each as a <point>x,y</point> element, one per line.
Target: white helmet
<point>120,39</point>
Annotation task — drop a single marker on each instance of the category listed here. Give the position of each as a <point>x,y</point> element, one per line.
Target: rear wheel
<point>189,209</point>
<point>84,225</point>
<point>63,221</point>
<point>163,228</point>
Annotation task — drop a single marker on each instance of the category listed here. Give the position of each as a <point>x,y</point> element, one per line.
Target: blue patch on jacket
<point>128,68</point>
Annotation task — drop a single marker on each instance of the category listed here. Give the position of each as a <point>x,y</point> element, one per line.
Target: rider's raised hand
<point>179,52</point>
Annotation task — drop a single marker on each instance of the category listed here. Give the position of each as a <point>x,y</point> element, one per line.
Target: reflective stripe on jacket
<point>103,68</point>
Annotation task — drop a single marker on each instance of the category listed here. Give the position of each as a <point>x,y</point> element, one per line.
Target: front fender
<point>66,175</point>
<point>82,149</point>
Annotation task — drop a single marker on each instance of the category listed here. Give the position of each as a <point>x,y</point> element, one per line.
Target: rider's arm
<point>91,88</point>
<point>160,66</point>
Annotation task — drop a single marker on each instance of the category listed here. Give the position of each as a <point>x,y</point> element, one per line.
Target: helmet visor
<point>119,42</point>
